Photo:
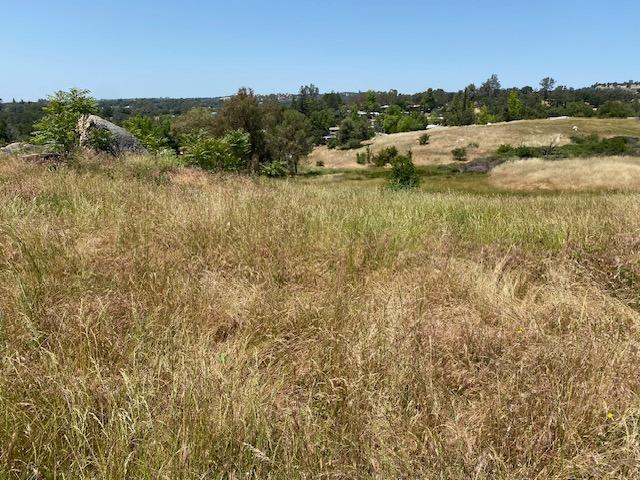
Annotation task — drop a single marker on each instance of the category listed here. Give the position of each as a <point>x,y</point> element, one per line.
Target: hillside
<point>487,137</point>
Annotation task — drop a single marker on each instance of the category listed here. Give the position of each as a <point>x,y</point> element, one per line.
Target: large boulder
<point>118,141</point>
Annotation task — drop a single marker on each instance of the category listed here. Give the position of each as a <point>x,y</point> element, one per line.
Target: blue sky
<point>192,48</point>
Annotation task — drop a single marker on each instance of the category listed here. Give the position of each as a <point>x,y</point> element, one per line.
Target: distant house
<point>333,133</point>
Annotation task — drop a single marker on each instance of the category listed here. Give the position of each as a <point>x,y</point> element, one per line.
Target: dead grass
<point>605,173</point>
<point>488,138</point>
<point>220,327</point>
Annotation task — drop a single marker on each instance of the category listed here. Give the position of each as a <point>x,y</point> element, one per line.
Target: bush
<point>210,153</point>
<point>424,139</point>
<point>403,173</point>
<point>319,163</point>
<point>459,154</point>
<point>276,169</point>
<point>363,158</point>
<point>505,150</point>
<point>155,135</point>
<point>384,156</point>
<point>57,128</point>
<point>100,140</point>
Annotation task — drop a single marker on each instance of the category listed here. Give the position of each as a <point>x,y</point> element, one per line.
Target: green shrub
<point>459,154</point>
<point>424,139</point>
<point>505,150</point>
<point>385,156</point>
<point>155,135</point>
<point>276,169</point>
<point>403,173</point>
<point>100,140</point>
<point>210,153</point>
<point>363,158</point>
<point>57,128</point>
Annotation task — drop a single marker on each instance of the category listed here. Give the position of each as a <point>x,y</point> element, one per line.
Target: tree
<point>515,107</point>
<point>371,103</point>
<point>460,111</point>
<point>57,128</point>
<point>242,112</point>
<point>490,87</point>
<point>546,85</point>
<point>615,110</point>
<point>195,120</point>
<point>290,139</point>
<point>321,122</point>
<point>307,100</point>
<point>485,116</point>
<point>353,131</point>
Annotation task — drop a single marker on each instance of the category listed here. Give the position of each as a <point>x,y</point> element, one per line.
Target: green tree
<point>546,85</point>
<point>460,110</point>
<point>371,102</point>
<point>615,110</point>
<point>194,121</point>
<point>290,139</point>
<point>308,99</point>
<point>57,128</point>
<point>484,116</point>
<point>515,107</point>
<point>242,112</point>
<point>353,131</point>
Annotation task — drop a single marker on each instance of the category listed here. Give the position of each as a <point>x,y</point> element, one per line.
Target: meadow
<point>162,322</point>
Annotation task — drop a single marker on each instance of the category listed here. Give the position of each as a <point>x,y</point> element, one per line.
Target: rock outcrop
<point>118,141</point>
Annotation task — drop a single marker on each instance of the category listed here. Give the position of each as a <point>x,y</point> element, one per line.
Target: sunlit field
<point>161,322</point>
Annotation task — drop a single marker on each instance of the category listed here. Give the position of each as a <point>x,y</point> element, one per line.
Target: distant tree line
<point>342,120</point>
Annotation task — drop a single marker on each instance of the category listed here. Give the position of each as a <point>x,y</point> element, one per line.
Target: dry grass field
<point>487,137</point>
<point>603,173</point>
<point>162,323</point>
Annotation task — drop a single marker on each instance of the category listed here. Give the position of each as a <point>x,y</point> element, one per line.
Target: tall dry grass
<point>601,173</point>
<point>177,325</point>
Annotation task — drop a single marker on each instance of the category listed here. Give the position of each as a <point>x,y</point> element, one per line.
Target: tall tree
<point>242,112</point>
<point>290,139</point>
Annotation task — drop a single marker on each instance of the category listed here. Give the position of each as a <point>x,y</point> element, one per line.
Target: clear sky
<point>194,48</point>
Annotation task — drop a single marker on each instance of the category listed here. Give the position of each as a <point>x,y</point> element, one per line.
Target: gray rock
<point>119,140</point>
<point>18,148</point>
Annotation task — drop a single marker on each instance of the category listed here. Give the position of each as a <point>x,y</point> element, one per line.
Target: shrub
<point>473,145</point>
<point>57,128</point>
<point>459,154</point>
<point>100,140</point>
<point>319,163</point>
<point>363,158</point>
<point>155,135</point>
<point>385,156</point>
<point>210,153</point>
<point>505,150</point>
<point>276,169</point>
<point>424,139</point>
<point>403,173</point>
